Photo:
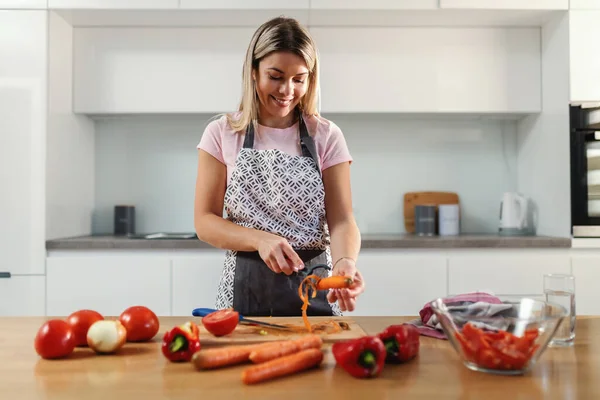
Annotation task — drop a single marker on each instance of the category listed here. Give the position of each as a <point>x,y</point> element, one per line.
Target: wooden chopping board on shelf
<point>412,199</point>
<point>246,334</point>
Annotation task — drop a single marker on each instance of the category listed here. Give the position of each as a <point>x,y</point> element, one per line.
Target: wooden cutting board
<point>412,199</point>
<point>246,334</point>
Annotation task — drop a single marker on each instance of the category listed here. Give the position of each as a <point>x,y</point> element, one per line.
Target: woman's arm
<point>212,228</point>
<point>345,236</point>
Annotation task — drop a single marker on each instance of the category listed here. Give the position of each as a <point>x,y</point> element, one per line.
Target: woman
<point>282,173</point>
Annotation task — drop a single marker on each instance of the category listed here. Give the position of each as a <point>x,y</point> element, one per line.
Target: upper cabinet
<point>507,4</point>
<point>23,4</point>
<point>585,56</point>
<point>23,70</point>
<point>114,4</point>
<point>244,4</point>
<point>149,70</point>
<point>198,70</point>
<point>487,70</point>
<point>585,4</point>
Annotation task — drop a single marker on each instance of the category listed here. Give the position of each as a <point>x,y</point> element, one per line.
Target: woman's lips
<point>282,102</point>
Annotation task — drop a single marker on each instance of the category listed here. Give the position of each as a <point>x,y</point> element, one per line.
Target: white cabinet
<point>512,272</point>
<point>23,296</point>
<point>108,284</point>
<point>584,44</point>
<point>22,137</point>
<point>244,4</point>
<point>507,4</point>
<point>23,4</point>
<point>586,269</point>
<point>149,70</point>
<point>195,281</point>
<point>399,283</point>
<point>429,69</point>
<point>114,4</point>
<point>585,5</point>
<point>372,5</point>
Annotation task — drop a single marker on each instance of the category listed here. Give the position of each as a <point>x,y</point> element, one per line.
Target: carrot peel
<point>311,284</point>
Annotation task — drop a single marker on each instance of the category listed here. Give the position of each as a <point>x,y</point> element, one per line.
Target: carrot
<point>220,357</point>
<point>282,366</point>
<point>283,348</point>
<point>334,282</point>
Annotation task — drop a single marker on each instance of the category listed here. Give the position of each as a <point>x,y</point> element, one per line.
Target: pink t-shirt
<point>224,144</point>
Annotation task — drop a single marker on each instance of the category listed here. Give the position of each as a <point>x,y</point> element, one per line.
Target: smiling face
<point>281,81</point>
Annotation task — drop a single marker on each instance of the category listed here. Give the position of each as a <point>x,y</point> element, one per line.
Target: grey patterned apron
<point>282,194</point>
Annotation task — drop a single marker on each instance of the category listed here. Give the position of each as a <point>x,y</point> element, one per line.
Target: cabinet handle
<point>4,274</point>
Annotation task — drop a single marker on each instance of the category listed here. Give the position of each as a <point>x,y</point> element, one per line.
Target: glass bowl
<point>506,338</point>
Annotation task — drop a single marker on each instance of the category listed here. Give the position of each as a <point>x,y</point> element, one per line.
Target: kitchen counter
<point>141,371</point>
<point>369,241</point>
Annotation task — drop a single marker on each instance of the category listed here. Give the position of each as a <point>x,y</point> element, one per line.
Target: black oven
<point>585,171</point>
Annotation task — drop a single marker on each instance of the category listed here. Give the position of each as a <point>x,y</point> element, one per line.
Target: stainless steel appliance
<point>585,170</point>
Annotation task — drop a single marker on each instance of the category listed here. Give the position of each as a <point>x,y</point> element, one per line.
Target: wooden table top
<point>141,371</point>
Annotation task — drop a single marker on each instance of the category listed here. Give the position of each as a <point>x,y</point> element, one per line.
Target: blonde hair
<point>277,34</point>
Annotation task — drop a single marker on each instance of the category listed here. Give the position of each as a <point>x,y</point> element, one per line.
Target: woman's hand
<point>346,298</point>
<point>279,256</point>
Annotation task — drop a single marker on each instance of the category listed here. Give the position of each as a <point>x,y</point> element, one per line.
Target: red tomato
<point>221,322</point>
<point>80,322</point>
<point>54,339</point>
<point>140,322</point>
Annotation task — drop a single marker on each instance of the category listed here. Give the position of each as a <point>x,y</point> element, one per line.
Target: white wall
<point>150,162</point>
<point>543,141</point>
<point>70,143</point>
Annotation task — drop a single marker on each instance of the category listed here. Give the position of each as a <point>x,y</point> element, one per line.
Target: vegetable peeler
<point>312,269</point>
<point>203,312</point>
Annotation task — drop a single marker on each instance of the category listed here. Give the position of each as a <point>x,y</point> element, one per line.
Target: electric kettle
<point>513,214</point>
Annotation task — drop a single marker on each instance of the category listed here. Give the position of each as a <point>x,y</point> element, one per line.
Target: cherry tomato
<point>221,322</point>
<point>80,322</point>
<point>140,322</point>
<point>54,339</point>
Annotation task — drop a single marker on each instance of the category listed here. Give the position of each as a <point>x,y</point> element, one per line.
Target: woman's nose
<point>287,88</point>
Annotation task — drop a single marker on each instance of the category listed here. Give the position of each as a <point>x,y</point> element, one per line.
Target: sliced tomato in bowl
<point>221,322</point>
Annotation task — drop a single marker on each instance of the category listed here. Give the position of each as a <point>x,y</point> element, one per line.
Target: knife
<point>203,312</point>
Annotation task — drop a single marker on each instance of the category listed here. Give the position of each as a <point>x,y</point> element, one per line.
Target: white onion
<point>106,336</point>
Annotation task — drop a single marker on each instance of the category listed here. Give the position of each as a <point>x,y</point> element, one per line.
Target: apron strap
<point>249,139</point>
<point>308,144</point>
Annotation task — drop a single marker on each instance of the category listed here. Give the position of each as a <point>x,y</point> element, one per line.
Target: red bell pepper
<point>362,358</point>
<point>181,342</point>
<point>401,342</point>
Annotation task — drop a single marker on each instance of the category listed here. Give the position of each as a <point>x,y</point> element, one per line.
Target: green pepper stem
<point>179,343</point>
<point>391,346</point>
<point>368,359</point>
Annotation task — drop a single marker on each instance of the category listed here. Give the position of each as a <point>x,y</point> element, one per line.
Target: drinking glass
<point>560,289</point>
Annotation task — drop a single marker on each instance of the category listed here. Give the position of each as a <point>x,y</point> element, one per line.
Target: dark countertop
<point>369,241</point>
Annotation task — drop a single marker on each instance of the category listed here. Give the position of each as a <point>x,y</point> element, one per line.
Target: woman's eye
<point>277,78</point>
